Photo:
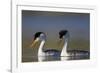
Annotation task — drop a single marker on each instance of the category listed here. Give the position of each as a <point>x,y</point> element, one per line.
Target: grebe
<point>42,54</point>
<point>70,54</point>
<point>39,36</point>
<point>65,54</point>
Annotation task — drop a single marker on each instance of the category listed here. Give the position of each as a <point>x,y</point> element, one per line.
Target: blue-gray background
<point>51,23</point>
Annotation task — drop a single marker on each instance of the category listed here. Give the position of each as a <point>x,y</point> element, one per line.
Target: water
<point>30,55</point>
<point>52,58</point>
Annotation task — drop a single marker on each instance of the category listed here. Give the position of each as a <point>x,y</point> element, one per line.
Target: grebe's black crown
<point>40,35</point>
<point>37,34</point>
<point>62,33</point>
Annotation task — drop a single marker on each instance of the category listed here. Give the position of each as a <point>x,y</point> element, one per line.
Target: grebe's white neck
<point>40,50</point>
<point>64,49</point>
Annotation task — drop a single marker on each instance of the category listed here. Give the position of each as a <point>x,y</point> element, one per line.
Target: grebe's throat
<point>40,51</point>
<point>64,49</point>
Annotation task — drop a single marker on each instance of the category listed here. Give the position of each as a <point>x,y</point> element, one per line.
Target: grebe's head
<point>63,34</point>
<point>38,36</point>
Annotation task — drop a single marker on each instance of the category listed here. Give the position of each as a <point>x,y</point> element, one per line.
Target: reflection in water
<point>54,58</point>
<point>63,58</point>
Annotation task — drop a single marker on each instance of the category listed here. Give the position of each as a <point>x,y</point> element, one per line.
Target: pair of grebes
<point>64,54</point>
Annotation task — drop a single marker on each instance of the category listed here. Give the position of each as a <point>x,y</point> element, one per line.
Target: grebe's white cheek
<point>63,37</point>
<point>42,37</point>
<point>67,35</point>
<point>41,34</point>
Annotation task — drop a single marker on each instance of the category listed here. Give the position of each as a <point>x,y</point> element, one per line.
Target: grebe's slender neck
<point>64,49</point>
<point>40,51</point>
